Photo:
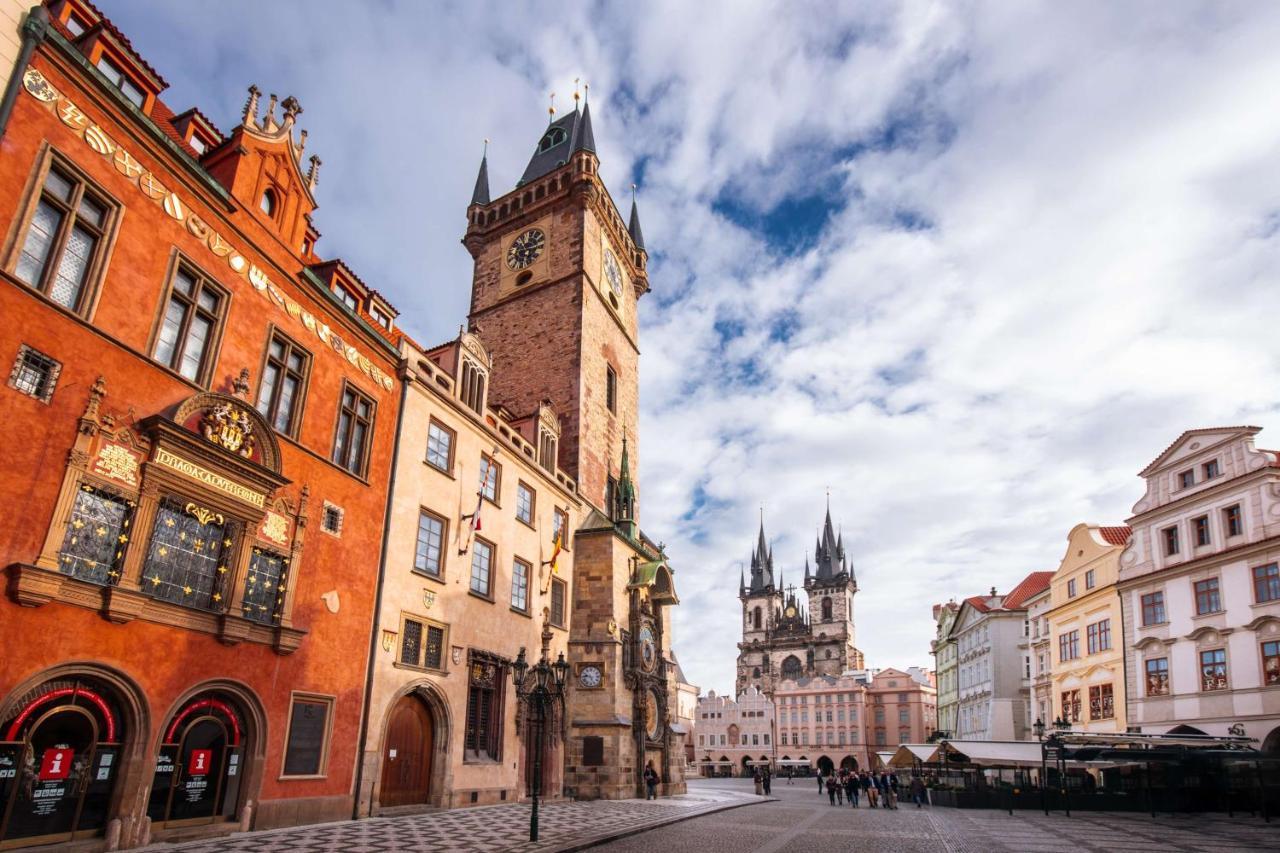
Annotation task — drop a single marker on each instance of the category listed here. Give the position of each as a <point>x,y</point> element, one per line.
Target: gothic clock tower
<point>558,275</point>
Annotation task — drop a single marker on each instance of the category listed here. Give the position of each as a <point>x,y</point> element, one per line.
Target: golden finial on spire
<point>575,92</point>
<point>551,110</point>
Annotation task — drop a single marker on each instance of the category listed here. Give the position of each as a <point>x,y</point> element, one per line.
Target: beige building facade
<point>1199,585</point>
<point>1085,631</point>
<point>733,736</point>
<point>469,581</point>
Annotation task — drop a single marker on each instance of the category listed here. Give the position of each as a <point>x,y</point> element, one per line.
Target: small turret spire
<point>480,195</point>
<point>637,236</point>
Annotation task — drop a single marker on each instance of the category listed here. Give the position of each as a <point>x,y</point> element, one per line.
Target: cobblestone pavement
<point>485,829</point>
<point>804,822</point>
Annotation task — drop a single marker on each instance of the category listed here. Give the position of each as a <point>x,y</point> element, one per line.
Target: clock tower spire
<point>558,275</point>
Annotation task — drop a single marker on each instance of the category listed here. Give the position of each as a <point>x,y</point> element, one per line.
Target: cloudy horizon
<point>968,266</point>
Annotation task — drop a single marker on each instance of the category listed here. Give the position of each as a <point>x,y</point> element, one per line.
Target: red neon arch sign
<point>217,705</point>
<point>58,693</point>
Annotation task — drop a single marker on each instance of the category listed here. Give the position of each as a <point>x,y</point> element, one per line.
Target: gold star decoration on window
<point>163,551</point>
<point>222,570</point>
<point>186,590</point>
<point>100,530</point>
<point>217,596</point>
<point>122,538</point>
<point>155,580</point>
<point>168,522</point>
<point>77,523</point>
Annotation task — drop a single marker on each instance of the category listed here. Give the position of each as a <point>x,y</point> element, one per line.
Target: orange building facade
<point>200,426</point>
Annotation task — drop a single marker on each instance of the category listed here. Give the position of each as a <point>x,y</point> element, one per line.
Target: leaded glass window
<point>186,563</point>
<point>264,587</point>
<point>96,535</point>
<point>411,642</point>
<point>63,239</point>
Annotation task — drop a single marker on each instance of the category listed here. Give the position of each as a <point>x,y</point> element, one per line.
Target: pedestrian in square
<point>820,785</point>
<point>767,779</point>
<point>917,791</point>
<point>831,789</point>
<point>890,790</point>
<point>790,773</point>
<point>871,790</point>
<point>650,782</point>
<point>839,790</point>
<point>851,789</point>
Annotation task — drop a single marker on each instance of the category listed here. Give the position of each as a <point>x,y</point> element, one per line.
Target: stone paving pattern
<point>804,822</point>
<point>725,816</point>
<point>561,826</point>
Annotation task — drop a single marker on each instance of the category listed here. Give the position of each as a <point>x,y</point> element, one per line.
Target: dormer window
<point>473,386</point>
<point>552,138</point>
<point>346,297</point>
<point>268,202</point>
<point>378,317</point>
<point>116,76</point>
<point>198,144</point>
<point>75,26</point>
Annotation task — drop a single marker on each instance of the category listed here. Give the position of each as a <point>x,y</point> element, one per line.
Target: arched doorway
<point>849,763</point>
<point>1184,730</point>
<point>746,765</point>
<point>826,765</point>
<point>201,762</point>
<point>1271,743</point>
<point>406,753</point>
<point>60,756</point>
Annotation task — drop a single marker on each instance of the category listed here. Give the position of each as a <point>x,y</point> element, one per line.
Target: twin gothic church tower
<point>558,276</point>
<point>786,638</point>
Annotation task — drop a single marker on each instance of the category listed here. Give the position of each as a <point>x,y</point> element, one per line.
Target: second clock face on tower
<point>525,249</point>
<point>612,272</point>
<point>648,649</point>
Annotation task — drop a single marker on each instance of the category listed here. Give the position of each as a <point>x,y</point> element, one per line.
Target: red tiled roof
<point>1116,535</point>
<point>978,603</point>
<point>1031,585</point>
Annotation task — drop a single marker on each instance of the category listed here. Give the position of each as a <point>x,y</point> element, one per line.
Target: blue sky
<point>969,265</point>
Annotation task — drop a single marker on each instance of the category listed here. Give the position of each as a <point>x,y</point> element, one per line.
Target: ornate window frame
<point>195,455</point>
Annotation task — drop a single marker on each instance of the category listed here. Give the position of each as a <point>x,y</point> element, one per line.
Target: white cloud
<point>1104,197</point>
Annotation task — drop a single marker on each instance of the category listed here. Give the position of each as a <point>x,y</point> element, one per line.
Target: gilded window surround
<point>139,477</point>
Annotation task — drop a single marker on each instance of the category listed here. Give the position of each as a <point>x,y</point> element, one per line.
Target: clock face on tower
<point>648,649</point>
<point>612,273</point>
<point>525,249</point>
<point>791,611</point>
<point>651,721</point>
<point>590,676</point>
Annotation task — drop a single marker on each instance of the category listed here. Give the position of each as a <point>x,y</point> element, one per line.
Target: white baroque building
<point>1200,589</point>
<point>991,644</point>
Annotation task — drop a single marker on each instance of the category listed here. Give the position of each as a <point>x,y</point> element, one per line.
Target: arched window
<point>755,618</point>
<point>826,610</point>
<point>791,667</point>
<point>268,202</point>
<point>473,382</point>
<point>552,138</point>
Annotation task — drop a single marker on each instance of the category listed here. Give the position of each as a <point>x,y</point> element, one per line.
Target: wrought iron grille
<point>264,587</point>
<point>96,535</point>
<point>186,563</point>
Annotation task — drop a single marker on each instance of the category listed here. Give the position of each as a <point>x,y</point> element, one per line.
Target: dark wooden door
<point>406,754</point>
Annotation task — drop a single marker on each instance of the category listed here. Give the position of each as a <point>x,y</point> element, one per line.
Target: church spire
<point>480,195</point>
<point>625,493</point>
<point>637,236</point>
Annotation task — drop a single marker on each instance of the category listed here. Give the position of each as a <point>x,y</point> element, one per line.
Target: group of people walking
<point>880,791</point>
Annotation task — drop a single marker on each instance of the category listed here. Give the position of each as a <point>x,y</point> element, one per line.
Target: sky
<point>967,266</point>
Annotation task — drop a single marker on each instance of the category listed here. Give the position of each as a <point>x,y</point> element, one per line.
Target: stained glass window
<point>96,536</point>
<point>186,563</point>
<point>63,239</point>
<point>264,587</point>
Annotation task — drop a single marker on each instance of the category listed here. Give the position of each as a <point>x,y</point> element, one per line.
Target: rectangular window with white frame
<point>440,440</point>
<point>520,572</point>
<point>525,498</point>
<point>481,567</point>
<point>428,555</point>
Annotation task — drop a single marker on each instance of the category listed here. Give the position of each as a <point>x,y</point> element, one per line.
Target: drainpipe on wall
<point>405,380</point>
<point>34,29</point>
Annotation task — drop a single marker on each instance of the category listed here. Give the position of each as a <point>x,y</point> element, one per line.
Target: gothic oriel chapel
<point>785,637</point>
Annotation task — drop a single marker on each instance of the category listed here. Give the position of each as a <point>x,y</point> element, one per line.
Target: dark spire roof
<point>637,235</point>
<point>567,134</point>
<point>829,555</point>
<point>761,563</point>
<point>625,492</point>
<point>480,195</point>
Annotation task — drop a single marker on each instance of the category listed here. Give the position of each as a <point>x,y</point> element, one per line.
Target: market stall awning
<point>908,754</point>
<point>882,759</point>
<point>984,753</point>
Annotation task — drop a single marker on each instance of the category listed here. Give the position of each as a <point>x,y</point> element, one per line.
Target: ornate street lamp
<point>541,688</point>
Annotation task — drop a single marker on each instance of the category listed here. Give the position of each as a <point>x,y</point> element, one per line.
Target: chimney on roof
<point>993,592</point>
